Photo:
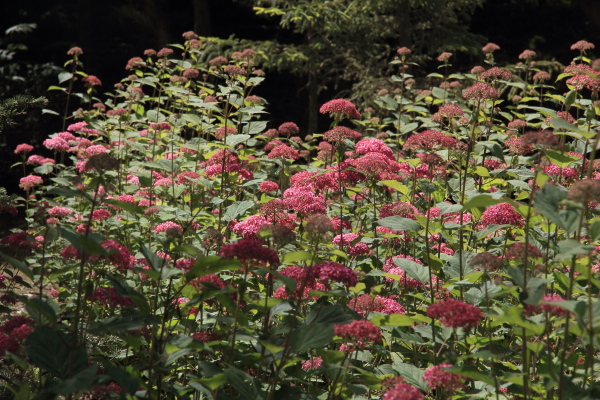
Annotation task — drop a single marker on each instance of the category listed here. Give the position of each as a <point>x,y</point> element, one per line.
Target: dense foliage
<point>439,244</point>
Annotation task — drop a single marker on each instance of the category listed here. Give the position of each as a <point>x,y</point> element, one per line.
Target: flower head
<point>439,378</point>
<point>359,331</point>
<point>481,91</point>
<point>340,108</point>
<point>500,214</point>
<point>490,48</point>
<point>454,313</point>
<point>403,391</point>
<point>582,46</point>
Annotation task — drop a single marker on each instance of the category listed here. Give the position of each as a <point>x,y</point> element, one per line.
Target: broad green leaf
<point>313,336</point>
<point>237,209</point>
<point>214,382</point>
<point>122,378</point>
<point>412,375</point>
<point>44,310</point>
<point>561,159</point>
<point>21,266</point>
<point>570,248</point>
<point>398,223</point>
<point>89,244</point>
<point>49,350</point>
<point>392,320</point>
<point>331,314</point>
<point>396,186</point>
<point>233,140</point>
<point>211,265</point>
<point>483,200</point>
<point>295,256</point>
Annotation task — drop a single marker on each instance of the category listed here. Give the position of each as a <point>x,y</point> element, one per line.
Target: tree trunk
<point>313,103</point>
<point>202,17</point>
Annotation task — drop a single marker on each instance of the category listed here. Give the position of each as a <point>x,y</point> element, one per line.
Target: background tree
<point>347,44</point>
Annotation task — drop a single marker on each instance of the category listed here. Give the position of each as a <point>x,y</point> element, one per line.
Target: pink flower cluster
<point>454,313</point>
<point>340,108</point>
<point>358,331</point>
<point>441,379</point>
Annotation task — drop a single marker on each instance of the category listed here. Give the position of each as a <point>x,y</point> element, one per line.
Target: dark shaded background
<point>110,32</point>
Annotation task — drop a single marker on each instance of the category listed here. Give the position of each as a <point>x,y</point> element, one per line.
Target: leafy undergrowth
<point>439,244</point>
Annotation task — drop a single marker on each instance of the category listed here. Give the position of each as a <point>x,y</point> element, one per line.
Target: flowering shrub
<point>441,244</point>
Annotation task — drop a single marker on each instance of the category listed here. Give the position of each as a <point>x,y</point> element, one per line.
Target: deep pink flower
<point>366,303</point>
<point>288,129</point>
<point>454,313</point>
<point>490,48</point>
<point>110,297</point>
<point>30,181</point>
<point>313,363</point>
<point>439,378</point>
<point>23,148</point>
<point>284,151</point>
<point>340,108</point>
<point>224,131</point>
<point>340,133</point>
<point>430,140</point>
<point>500,214</point>
<point>496,73</point>
<point>249,250</point>
<point>403,391</point>
<point>60,211</point>
<point>331,271</point>
<point>303,200</point>
<point>119,255</point>
<point>359,331</point>
<point>344,242</point>
<point>249,227</point>
<point>527,55</point>
<point>91,81</point>
<point>56,144</point>
<point>268,187</point>
<point>370,145</point>
<point>582,46</point>
<point>163,227</point>
<point>481,91</point>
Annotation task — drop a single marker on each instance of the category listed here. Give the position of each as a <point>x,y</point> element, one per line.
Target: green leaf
<point>214,382</point>
<point>396,186</point>
<point>570,248</point>
<point>392,320</point>
<point>83,380</point>
<point>546,202</point>
<point>398,223</point>
<point>313,336</point>
<point>295,256</point>
<point>122,378</point>
<point>412,375</point>
<point>413,270</point>
<point>483,200</point>
<point>89,244</point>
<point>233,140</point>
<point>513,315</point>
<point>44,310</point>
<point>66,192</point>
<point>17,264</point>
<point>473,373</point>
<point>211,265</point>
<point>332,314</point>
<point>409,127</point>
<point>561,159</point>
<point>246,386</point>
<point>236,209</point>
<point>49,350</point>
<point>64,76</point>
